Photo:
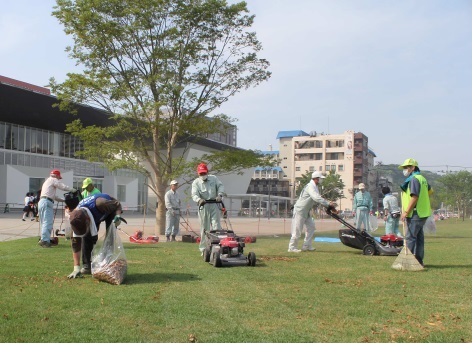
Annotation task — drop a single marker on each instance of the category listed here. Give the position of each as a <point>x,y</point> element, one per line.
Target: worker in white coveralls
<point>172,202</point>
<point>363,207</point>
<point>301,214</point>
<point>207,187</point>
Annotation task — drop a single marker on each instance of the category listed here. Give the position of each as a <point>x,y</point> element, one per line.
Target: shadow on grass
<point>133,279</point>
<point>446,266</point>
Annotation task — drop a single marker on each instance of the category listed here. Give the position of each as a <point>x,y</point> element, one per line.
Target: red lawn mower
<point>224,247</point>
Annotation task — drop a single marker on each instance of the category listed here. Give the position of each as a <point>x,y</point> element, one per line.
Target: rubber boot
<point>167,239</point>
<point>173,238</point>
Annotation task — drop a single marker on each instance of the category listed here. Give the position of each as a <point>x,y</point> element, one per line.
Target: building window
<point>341,167</point>
<point>297,168</point>
<point>35,184</point>
<point>333,167</point>
<point>121,190</point>
<point>312,169</point>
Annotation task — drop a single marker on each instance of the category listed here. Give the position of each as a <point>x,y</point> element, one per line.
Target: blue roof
<point>293,133</point>
<point>372,152</point>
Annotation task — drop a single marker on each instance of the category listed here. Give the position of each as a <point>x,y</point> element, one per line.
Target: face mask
<point>203,177</point>
<point>406,172</point>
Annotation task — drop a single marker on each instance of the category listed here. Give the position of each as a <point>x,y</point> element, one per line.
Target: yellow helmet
<point>408,162</point>
<point>86,182</point>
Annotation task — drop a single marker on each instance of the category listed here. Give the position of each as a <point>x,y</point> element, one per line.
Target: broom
<point>406,261</point>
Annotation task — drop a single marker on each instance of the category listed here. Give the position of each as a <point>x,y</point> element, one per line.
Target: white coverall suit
<point>301,216</point>
<point>363,206</point>
<point>209,214</point>
<point>173,203</point>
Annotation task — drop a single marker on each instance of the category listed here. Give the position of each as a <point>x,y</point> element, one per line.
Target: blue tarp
<point>334,240</point>
<point>327,239</point>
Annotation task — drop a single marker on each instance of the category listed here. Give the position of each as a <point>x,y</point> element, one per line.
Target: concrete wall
<point>18,184</point>
<point>18,181</point>
<point>110,187</point>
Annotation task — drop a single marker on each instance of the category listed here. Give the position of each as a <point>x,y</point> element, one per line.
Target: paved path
<point>12,227</point>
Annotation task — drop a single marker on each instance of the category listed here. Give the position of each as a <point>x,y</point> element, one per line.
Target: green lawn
<point>170,295</point>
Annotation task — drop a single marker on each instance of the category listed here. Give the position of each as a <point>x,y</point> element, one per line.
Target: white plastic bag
<point>374,223</point>
<point>430,225</point>
<point>109,260</point>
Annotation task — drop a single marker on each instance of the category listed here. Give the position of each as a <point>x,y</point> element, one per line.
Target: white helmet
<point>317,175</point>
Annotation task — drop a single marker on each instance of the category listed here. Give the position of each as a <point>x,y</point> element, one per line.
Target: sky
<point>398,71</point>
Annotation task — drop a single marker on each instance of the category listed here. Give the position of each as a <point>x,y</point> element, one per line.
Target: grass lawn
<point>334,294</point>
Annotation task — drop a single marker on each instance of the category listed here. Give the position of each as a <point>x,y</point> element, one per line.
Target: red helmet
<point>202,168</point>
<point>56,173</point>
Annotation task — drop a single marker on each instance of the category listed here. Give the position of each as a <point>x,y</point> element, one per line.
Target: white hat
<point>174,182</point>
<point>361,186</point>
<point>316,175</point>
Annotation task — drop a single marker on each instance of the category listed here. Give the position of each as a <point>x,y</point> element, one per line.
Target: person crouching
<point>85,223</point>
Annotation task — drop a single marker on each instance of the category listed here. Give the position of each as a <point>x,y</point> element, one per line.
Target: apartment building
<point>346,154</point>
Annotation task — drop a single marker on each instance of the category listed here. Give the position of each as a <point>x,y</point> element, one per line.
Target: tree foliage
<point>161,68</point>
<point>456,190</point>
<point>331,187</point>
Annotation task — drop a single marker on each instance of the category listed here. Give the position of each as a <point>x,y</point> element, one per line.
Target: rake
<point>406,260</point>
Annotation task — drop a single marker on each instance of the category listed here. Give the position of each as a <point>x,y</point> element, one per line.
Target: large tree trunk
<point>160,226</point>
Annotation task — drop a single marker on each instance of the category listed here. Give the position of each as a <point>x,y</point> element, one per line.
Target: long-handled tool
<point>406,260</point>
<point>189,238</point>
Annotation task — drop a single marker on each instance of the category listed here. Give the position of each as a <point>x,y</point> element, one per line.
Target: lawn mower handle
<point>212,201</point>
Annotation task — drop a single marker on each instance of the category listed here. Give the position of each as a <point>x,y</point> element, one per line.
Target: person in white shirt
<point>301,214</point>
<point>28,207</point>
<point>46,204</point>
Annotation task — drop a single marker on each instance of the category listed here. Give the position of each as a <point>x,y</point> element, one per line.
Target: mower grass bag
<point>109,260</point>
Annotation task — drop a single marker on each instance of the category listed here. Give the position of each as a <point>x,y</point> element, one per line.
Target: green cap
<point>87,181</point>
<point>408,162</point>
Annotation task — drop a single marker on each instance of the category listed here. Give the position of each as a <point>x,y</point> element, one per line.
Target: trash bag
<point>67,228</point>
<point>430,225</point>
<point>109,262</point>
<point>374,223</point>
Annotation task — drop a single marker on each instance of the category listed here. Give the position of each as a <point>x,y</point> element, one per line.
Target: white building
<point>33,141</point>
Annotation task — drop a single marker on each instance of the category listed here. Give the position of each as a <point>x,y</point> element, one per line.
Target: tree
<point>160,68</point>
<point>456,190</point>
<point>331,188</point>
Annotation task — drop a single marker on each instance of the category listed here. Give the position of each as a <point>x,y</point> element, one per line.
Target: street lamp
<point>268,176</point>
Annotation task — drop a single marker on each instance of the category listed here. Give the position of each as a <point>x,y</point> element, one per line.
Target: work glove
<point>73,190</point>
<point>76,273</point>
<point>201,202</point>
<point>331,209</point>
<point>117,220</point>
<point>371,213</point>
<point>219,198</point>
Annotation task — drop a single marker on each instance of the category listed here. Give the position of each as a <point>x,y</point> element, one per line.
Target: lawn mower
<point>224,247</point>
<point>362,240</point>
